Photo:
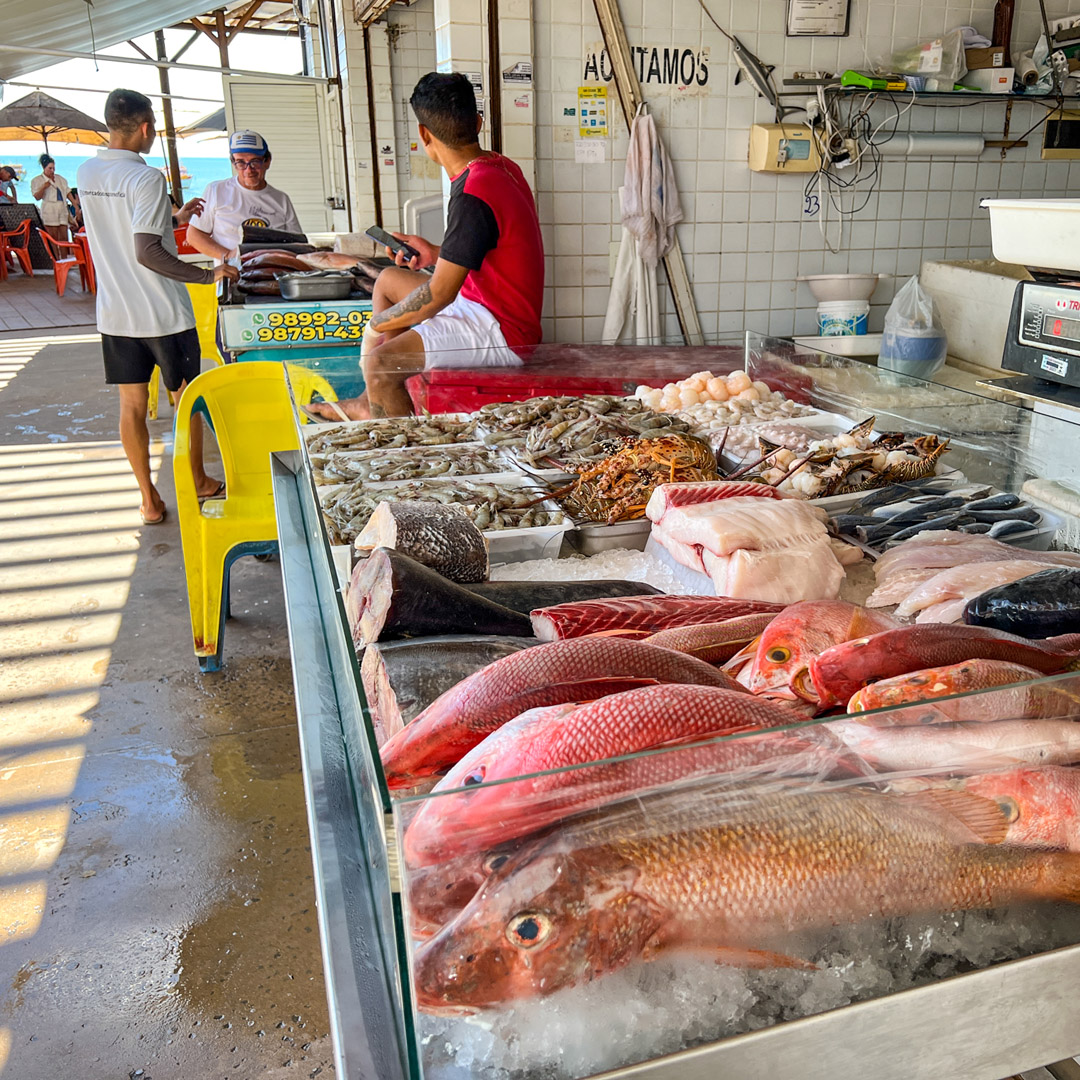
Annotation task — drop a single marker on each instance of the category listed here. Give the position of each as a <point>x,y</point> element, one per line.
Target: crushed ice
<point>619,564</point>
<point>648,1010</point>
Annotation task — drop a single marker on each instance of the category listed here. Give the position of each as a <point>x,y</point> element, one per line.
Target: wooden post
<point>222,37</point>
<point>176,184</point>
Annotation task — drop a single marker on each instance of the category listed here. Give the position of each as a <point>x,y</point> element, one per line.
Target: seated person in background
<point>217,228</point>
<point>8,195</point>
<point>485,296</point>
<point>75,215</point>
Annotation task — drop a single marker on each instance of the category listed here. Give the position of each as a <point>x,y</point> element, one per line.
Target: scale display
<point>291,325</point>
<point>1064,329</point>
<point>1049,317</point>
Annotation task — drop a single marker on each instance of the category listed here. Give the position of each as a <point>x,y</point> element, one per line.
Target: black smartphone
<point>381,236</point>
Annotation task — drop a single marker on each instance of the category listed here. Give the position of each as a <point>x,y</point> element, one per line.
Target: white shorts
<point>464,335</point>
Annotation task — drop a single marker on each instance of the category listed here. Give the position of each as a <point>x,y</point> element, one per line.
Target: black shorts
<point>132,360</point>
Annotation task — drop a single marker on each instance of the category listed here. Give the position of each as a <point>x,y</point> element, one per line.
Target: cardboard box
<point>992,57</point>
<point>991,80</point>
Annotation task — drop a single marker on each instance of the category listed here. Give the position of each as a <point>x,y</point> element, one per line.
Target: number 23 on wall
<point>811,205</point>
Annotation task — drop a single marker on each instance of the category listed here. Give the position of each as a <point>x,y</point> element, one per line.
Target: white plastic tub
<point>1036,232</point>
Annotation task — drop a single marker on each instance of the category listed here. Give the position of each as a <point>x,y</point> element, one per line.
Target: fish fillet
<point>964,582</point>
<point>652,613</point>
<point>685,554</point>
<point>932,549</point>
<point>893,589</point>
<point>667,496</point>
<point>745,522</point>
<point>787,575</point>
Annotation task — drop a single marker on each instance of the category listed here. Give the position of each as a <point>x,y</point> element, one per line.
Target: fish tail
<point>1060,879</point>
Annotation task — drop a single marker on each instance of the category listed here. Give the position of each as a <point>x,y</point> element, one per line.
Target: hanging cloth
<point>650,210</point>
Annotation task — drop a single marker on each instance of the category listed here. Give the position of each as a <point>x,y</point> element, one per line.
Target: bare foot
<point>356,408</point>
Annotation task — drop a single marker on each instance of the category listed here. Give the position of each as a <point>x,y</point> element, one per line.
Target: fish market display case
<point>896,937</point>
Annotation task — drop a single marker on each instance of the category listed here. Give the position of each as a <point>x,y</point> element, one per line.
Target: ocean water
<point>202,169</point>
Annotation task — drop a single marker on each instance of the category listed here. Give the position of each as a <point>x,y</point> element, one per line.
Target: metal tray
<point>317,285</point>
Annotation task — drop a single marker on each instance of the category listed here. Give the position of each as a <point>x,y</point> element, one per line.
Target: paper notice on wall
<point>520,74</point>
<point>592,111</point>
<point>589,152</point>
<point>817,17</point>
<point>478,89</point>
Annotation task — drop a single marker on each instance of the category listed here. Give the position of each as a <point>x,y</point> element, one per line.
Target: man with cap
<point>243,199</point>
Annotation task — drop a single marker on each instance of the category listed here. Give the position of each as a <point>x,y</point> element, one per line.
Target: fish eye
<point>1009,807</point>
<point>476,777</point>
<point>918,680</point>
<point>529,929</point>
<point>494,862</point>
<point>778,655</point>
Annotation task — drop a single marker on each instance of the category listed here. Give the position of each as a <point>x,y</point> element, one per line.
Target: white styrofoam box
<point>1036,232</point>
<point>972,298</point>
<point>991,80</point>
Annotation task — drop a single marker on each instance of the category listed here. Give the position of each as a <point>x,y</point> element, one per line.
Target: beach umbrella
<point>213,122</point>
<point>39,116</point>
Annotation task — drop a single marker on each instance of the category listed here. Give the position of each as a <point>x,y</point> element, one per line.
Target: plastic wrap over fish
<point>708,886</point>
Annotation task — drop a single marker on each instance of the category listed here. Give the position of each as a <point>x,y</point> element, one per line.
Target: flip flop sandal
<point>215,494</point>
<point>155,521</point>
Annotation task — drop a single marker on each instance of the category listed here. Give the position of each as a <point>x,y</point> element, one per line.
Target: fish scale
<point>731,872</point>
<point>577,670</point>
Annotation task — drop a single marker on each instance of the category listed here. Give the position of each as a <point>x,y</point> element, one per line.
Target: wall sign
<point>592,111</point>
<point>683,70</point>
<point>519,75</point>
<point>818,18</point>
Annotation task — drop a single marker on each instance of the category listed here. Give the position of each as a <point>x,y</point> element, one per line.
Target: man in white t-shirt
<point>144,311</point>
<point>243,199</point>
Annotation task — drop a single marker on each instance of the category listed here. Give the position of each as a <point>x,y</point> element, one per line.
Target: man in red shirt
<point>485,296</point>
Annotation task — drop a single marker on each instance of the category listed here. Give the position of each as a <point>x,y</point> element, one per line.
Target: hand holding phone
<point>381,236</point>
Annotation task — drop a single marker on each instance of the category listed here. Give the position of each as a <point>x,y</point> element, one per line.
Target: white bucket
<point>842,318</point>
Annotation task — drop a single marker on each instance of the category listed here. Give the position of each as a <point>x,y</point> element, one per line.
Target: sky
<point>256,52</point>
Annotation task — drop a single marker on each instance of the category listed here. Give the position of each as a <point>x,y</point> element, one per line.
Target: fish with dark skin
<point>732,874</point>
<point>841,671</point>
<point>560,671</point>
<point>1039,606</point>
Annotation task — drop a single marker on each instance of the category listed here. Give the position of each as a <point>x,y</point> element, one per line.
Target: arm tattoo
<point>377,411</point>
<point>419,298</point>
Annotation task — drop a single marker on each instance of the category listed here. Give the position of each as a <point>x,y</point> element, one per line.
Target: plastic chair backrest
<point>204,302</point>
<point>22,232</point>
<point>55,249</point>
<point>306,384</point>
<point>249,407</point>
<point>182,246</point>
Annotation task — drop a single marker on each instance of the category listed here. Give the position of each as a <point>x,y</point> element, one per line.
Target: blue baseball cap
<point>248,142</point>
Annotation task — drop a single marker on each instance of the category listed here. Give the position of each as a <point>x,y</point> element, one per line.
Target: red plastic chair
<point>182,246</point>
<point>62,264</point>
<point>16,253</point>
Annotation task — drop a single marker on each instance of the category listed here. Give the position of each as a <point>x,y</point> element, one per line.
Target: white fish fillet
<point>666,496</point>
<point>786,575</point>
<point>745,522</point>
<point>944,549</point>
<point>946,612</point>
<point>964,747</point>
<point>897,585</point>
<point>964,582</point>
<point>685,554</point>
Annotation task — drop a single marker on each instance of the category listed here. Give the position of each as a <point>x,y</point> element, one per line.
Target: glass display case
<point>782,896</point>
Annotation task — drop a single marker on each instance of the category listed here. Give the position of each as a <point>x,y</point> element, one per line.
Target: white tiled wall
<point>744,236</point>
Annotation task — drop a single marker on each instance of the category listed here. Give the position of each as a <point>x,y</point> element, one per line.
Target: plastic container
<point>841,286</point>
<point>909,351</point>
<point>842,318</point>
<point>1036,232</point>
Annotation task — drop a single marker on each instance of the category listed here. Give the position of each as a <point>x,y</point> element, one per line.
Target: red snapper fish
<point>713,642</point>
<point>734,873</point>
<point>842,670</point>
<point>780,660</point>
<point>1022,700</point>
<point>1041,806</point>
<point>542,745</point>
<point>577,670</point>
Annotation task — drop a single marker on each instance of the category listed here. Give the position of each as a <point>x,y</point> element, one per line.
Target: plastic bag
<point>941,59</point>
<point>912,343</point>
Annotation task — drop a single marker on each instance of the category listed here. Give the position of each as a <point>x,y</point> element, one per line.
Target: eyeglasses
<point>255,163</point>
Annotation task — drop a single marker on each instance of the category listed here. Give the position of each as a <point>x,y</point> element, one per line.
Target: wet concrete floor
<point>157,917</point>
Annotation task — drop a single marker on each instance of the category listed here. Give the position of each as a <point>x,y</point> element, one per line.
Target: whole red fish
<point>1022,700</point>
<point>578,670</point>
<point>733,873</point>
<point>843,670</point>
<point>713,642</point>
<point>779,664</point>
<point>626,613</point>
<point>541,748</point>
<point>1042,806</point>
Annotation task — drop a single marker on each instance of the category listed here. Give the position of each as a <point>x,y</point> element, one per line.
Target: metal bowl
<point>316,286</point>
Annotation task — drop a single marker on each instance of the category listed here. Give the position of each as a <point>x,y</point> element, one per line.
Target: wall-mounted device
<point>783,148</point>
<point>1061,136</point>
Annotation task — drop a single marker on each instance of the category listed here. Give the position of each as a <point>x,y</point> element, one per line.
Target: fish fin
<point>621,633</point>
<point>742,657</point>
<point>977,815</point>
<point>738,75</point>
<point>760,958</point>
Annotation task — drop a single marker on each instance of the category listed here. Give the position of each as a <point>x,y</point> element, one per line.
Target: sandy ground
<point>157,918</point>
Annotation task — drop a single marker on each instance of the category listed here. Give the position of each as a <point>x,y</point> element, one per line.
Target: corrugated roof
<point>64,24</point>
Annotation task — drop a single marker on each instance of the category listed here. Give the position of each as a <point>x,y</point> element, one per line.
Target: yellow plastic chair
<point>306,384</point>
<point>249,409</point>
<point>204,301</point>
